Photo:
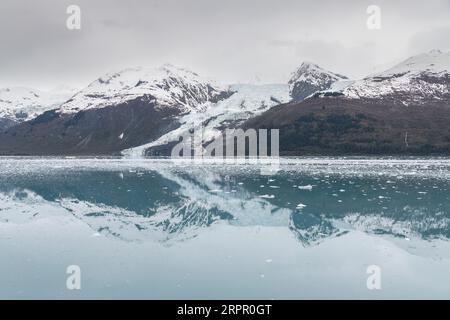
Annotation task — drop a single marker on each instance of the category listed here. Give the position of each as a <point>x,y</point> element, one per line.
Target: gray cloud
<point>233,40</point>
<point>431,38</point>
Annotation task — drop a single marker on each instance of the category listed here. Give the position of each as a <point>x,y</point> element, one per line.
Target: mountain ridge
<point>169,85</point>
<point>141,109</point>
<point>404,110</point>
<point>420,79</point>
<point>19,104</point>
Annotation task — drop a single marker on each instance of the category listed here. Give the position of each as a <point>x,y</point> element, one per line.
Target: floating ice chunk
<point>267,196</point>
<point>307,187</point>
<point>301,206</point>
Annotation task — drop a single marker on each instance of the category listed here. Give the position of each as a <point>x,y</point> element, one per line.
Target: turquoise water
<point>159,229</point>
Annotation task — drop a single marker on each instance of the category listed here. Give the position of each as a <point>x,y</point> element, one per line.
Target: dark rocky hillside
<point>341,126</point>
<point>102,131</point>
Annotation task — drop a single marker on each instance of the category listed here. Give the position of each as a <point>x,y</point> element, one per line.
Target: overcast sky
<point>229,40</point>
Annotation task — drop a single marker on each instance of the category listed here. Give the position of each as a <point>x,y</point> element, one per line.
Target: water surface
<point>158,229</point>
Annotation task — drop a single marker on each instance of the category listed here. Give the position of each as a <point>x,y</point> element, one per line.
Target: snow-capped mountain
<point>309,78</point>
<point>143,111</point>
<point>19,104</point>
<point>368,116</point>
<point>168,86</point>
<point>246,102</point>
<point>417,80</point>
<point>116,112</point>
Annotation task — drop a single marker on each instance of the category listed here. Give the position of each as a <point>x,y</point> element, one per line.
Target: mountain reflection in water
<point>169,203</point>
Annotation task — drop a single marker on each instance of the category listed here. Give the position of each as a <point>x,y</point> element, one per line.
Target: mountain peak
<point>417,80</point>
<point>19,104</point>
<point>169,85</point>
<point>434,61</point>
<point>309,78</point>
<point>173,69</point>
<point>309,65</point>
<point>435,51</point>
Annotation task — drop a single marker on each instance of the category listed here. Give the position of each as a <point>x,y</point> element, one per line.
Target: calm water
<point>156,229</point>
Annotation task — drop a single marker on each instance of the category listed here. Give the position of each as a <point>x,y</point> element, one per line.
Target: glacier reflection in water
<point>158,229</point>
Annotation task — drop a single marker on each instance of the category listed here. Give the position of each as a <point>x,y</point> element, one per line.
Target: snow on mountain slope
<point>170,86</point>
<point>434,61</point>
<point>417,80</point>
<point>309,78</point>
<point>246,102</point>
<point>20,104</point>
